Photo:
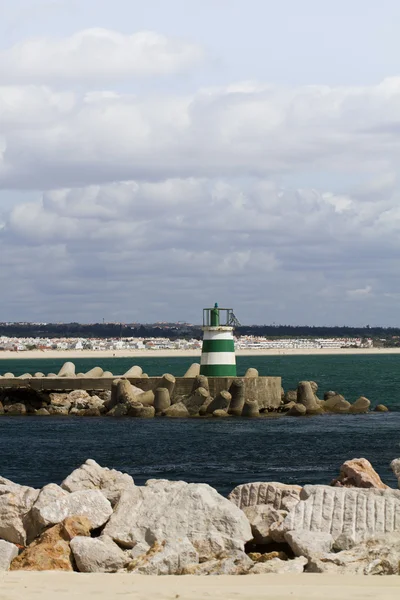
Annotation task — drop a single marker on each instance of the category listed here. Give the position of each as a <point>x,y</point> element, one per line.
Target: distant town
<point>23,336</point>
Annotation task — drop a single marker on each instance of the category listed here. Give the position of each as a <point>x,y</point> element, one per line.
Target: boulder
<point>377,556</point>
<point>16,409</point>
<point>280,567</point>
<point>16,502</point>
<point>278,495</point>
<point>170,510</point>
<point>98,555</point>
<point>251,372</point>
<point>360,406</point>
<point>358,473</point>
<point>60,400</point>
<point>250,409</point>
<point>381,408</point>
<point>88,503</point>
<point>196,400</point>
<point>48,495</point>
<point>57,410</point>
<point>297,410</point>
<point>337,404</point>
<point>220,402</point>
<point>7,553</point>
<point>67,370</point>
<point>81,400</point>
<point>232,563</point>
<point>42,412</point>
<point>261,517</point>
<point>91,476</point>
<point>165,558</point>
<point>162,400</point>
<point>120,410</point>
<point>236,391</point>
<point>310,544</point>
<point>306,396</point>
<point>350,515</point>
<point>51,551</point>
<point>141,412</point>
<point>178,410</point>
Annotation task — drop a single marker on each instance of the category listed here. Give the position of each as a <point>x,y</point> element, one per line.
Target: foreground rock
<point>91,476</point>
<point>279,495</point>
<point>51,551</point>
<point>236,563</point>
<point>280,567</point>
<point>171,510</point>
<point>165,559</point>
<point>16,502</point>
<point>350,515</point>
<point>395,466</point>
<point>310,544</point>
<point>7,553</point>
<point>359,473</point>
<point>379,556</point>
<point>98,555</point>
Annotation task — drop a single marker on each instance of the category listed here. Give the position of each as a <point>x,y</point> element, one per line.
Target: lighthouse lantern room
<point>218,351</point>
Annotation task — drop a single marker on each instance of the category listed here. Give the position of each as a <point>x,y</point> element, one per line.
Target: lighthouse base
<point>218,352</point>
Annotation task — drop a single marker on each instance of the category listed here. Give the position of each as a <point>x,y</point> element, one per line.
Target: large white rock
<point>91,476</point>
<point>261,518</point>
<point>48,495</point>
<point>349,514</point>
<point>278,566</point>
<point>98,555</point>
<point>7,553</point>
<point>310,544</point>
<point>89,503</point>
<point>236,563</point>
<point>165,559</point>
<point>378,556</point>
<point>15,503</point>
<point>278,495</point>
<point>165,511</point>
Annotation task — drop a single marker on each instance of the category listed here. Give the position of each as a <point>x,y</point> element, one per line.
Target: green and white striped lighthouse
<point>218,351</point>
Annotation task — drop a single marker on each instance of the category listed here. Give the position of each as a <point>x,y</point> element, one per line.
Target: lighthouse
<point>218,351</point>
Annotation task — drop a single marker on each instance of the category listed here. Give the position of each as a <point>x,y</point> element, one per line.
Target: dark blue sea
<point>224,453</point>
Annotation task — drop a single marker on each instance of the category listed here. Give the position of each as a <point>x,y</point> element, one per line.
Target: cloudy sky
<point>158,156</point>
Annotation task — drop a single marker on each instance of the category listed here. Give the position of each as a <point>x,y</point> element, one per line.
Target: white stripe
<point>218,335</point>
<point>218,358</point>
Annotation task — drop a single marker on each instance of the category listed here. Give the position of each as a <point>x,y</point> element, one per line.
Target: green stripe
<point>218,370</point>
<point>218,346</point>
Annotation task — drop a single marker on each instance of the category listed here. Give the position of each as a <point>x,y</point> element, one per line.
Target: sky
<point>159,156</point>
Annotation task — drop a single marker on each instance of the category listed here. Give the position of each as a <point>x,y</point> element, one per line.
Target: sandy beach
<point>195,354</point>
<point>66,586</point>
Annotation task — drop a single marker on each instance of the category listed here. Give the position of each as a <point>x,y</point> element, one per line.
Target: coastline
<point>46,585</point>
<point>195,354</point>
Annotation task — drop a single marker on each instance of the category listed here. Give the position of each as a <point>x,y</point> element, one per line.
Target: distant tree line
<point>174,331</point>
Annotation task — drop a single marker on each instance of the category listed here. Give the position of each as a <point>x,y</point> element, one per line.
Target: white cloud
<point>98,55</point>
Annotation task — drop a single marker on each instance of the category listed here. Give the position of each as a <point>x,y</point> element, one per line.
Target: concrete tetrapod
<point>306,396</point>
<point>146,398</point>
<point>162,399</point>
<point>95,372</point>
<point>196,400</point>
<point>134,371</point>
<point>251,372</point>
<point>67,370</point>
<point>236,390</point>
<point>200,381</point>
<point>250,409</point>
<point>220,402</point>
<point>167,381</point>
<point>193,370</point>
<point>9,375</point>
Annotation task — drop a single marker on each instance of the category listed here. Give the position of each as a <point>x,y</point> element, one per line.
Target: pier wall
<point>266,390</point>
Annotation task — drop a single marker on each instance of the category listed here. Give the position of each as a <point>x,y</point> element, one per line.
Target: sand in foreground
<point>195,354</point>
<point>47,586</point>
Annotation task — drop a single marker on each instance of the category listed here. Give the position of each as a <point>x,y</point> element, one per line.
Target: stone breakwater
<point>134,394</point>
<point>98,520</point>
